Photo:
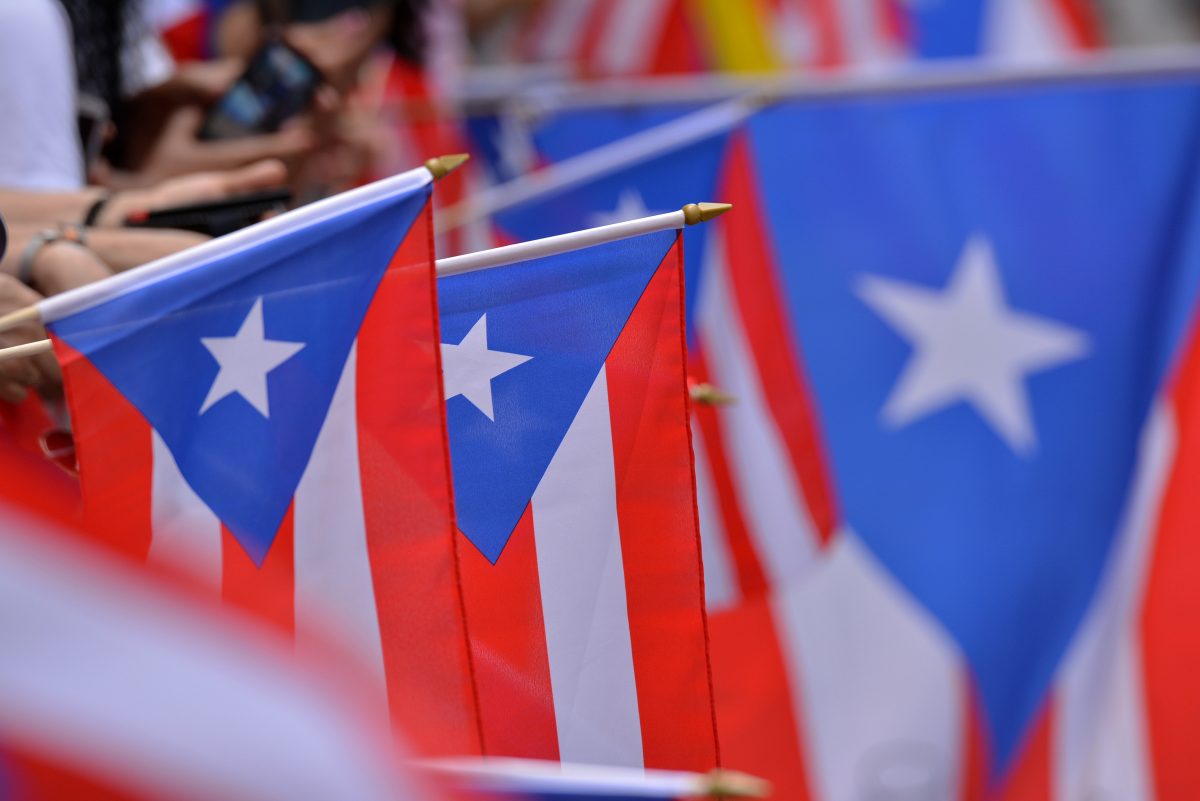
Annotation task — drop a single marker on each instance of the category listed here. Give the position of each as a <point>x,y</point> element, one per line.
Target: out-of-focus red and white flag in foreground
<point>117,682</point>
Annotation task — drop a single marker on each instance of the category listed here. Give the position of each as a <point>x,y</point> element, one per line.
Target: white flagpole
<point>497,257</point>
<point>515,776</point>
<point>691,214</point>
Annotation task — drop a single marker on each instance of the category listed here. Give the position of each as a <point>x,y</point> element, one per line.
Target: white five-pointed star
<point>469,367</point>
<point>969,345</point>
<point>245,359</point>
<point>630,206</point>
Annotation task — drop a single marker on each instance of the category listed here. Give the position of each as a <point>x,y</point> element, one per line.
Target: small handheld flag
<point>567,415</point>
<point>263,411</point>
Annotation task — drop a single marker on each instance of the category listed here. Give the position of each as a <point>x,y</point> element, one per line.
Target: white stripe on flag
<point>878,688</point>
<point>560,31</point>
<point>334,587</point>
<point>1025,32</point>
<point>632,30</point>
<point>864,41</point>
<point>108,674</point>
<point>720,586</point>
<point>770,493</point>
<point>186,535</point>
<point>1100,748</point>
<point>582,579</point>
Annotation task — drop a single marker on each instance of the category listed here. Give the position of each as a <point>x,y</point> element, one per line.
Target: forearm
<point>54,267</point>
<point>45,208</point>
<point>123,248</point>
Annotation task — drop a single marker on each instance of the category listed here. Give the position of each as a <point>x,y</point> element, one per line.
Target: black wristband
<point>93,212</point>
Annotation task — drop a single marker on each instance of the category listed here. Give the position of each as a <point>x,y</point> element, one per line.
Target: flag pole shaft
<point>523,251</point>
<point>23,351</point>
<point>691,214</point>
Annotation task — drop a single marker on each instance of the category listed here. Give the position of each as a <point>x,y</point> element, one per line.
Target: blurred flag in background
<point>626,38</point>
<point>933,517</point>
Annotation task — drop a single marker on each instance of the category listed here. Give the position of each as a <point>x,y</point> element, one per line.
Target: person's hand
<point>196,188</point>
<point>204,81</point>
<point>18,375</point>
<point>178,150</point>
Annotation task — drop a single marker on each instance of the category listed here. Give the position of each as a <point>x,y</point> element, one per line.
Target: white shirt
<point>39,137</point>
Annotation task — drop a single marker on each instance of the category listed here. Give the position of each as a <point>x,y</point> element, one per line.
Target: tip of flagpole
<point>441,166</point>
<point>703,212</point>
<point>29,314</point>
<point>722,783</point>
<point>708,395</point>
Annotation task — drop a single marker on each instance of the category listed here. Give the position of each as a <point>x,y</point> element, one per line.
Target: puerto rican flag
<point>888,33</point>
<point>992,371</point>
<point>125,683</point>
<point>624,38</point>
<point>614,38</point>
<point>567,413</point>
<point>947,510</point>
<point>268,411</point>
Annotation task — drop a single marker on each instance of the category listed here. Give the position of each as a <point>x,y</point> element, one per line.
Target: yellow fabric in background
<point>736,33</point>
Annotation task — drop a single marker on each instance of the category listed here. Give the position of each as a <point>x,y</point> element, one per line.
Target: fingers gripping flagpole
<point>691,214</point>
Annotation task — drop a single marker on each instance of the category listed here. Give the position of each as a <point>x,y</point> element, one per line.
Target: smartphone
<point>279,83</point>
<point>218,217</point>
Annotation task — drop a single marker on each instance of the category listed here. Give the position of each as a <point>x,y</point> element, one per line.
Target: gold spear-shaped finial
<point>703,212</point>
<point>722,783</point>
<point>441,166</point>
<point>708,395</point>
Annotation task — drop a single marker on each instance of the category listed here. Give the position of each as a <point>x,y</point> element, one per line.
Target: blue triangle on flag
<point>543,328</point>
<point>243,451</point>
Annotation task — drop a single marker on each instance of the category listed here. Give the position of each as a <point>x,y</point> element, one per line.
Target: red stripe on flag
<point>772,340</point>
<point>599,17</point>
<point>823,17</point>
<point>1170,639</point>
<point>756,699</point>
<point>26,422</point>
<point>1030,778</point>
<point>660,535</point>
<point>1082,24</point>
<point>266,591</point>
<point>751,579</point>
<point>26,775</point>
<point>973,781</point>
<point>678,49</point>
<point>112,446</point>
<point>508,642</point>
<point>407,507</point>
